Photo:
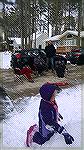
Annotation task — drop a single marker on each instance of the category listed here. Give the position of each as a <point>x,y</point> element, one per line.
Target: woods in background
<point>25,17</point>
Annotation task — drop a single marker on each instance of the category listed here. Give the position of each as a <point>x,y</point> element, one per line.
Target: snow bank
<point>5,58</point>
<point>26,114</point>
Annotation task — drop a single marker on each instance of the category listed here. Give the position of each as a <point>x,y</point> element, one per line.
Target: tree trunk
<point>35,24</point>
<point>79,24</point>
<point>48,19</point>
<point>22,24</point>
<point>26,25</point>
<point>5,35</point>
<point>29,24</point>
<point>69,16</point>
<point>82,22</point>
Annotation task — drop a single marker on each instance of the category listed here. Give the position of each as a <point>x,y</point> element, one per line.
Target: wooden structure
<point>66,42</point>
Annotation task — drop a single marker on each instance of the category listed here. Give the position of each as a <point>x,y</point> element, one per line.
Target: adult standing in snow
<point>49,117</point>
<point>50,54</point>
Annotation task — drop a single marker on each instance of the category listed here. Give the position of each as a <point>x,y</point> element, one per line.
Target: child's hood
<point>47,90</point>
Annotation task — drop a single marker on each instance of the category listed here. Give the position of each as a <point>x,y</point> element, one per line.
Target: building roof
<point>53,38</point>
<point>69,32</point>
<point>58,37</point>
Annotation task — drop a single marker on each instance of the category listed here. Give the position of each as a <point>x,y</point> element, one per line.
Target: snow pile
<point>5,58</point>
<point>26,114</point>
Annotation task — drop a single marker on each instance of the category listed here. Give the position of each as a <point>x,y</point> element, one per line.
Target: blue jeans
<point>50,62</point>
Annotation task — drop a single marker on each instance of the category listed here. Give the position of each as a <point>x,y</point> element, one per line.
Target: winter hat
<point>47,90</point>
<point>18,55</point>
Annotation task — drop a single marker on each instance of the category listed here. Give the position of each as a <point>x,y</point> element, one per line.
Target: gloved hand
<point>68,138</point>
<point>60,116</point>
<point>61,130</point>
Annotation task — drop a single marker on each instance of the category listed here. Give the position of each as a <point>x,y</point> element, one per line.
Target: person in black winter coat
<point>50,54</point>
<point>49,116</point>
<point>39,64</point>
<point>60,65</point>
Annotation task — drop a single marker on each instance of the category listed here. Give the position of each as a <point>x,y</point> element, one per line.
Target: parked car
<point>73,56</point>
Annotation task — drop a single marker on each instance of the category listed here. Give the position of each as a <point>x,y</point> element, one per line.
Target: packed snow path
<point>25,114</point>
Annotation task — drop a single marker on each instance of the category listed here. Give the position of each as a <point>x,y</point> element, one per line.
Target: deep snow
<point>25,114</point>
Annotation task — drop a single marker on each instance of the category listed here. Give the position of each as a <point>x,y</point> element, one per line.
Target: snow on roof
<point>53,38</point>
<point>58,37</point>
<point>69,32</point>
<point>73,33</point>
<point>18,40</point>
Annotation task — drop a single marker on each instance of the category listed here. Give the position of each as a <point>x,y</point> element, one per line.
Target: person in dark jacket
<point>20,68</point>
<point>60,65</point>
<point>50,54</point>
<point>39,64</point>
<point>49,116</point>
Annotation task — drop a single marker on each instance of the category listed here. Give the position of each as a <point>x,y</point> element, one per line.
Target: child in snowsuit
<point>49,116</point>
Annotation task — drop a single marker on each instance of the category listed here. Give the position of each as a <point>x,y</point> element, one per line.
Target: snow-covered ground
<point>25,114</point>
<point>5,58</point>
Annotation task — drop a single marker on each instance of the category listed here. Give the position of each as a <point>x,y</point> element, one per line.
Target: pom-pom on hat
<point>47,90</point>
